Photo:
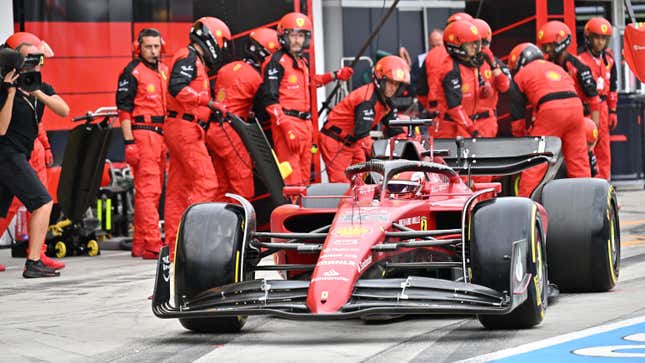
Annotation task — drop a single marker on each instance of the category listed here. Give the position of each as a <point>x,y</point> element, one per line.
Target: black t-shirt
<point>23,128</point>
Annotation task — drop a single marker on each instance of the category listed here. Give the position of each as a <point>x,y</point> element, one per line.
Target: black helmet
<point>213,36</point>
<point>522,55</point>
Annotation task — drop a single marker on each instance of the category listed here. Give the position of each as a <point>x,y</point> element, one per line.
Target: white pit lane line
<point>553,341</point>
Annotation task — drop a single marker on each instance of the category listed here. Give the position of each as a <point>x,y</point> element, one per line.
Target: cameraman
<point>18,130</point>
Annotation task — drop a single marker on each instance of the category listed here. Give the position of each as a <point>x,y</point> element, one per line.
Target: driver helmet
<point>405,185</point>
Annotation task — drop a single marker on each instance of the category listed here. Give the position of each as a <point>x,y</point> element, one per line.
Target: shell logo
<point>465,88</point>
<point>292,79</point>
<point>399,75</point>
<point>221,95</point>
<point>237,67</point>
<point>451,37</point>
<point>554,76</point>
<point>561,33</point>
<point>513,58</point>
<point>473,30</point>
<point>271,45</point>
<point>218,33</point>
<point>604,28</point>
<point>300,22</point>
<point>351,231</point>
<point>151,88</point>
<point>487,73</point>
<point>540,34</point>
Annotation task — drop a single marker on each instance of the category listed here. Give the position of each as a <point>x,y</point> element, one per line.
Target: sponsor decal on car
<point>366,262</point>
<point>352,231</point>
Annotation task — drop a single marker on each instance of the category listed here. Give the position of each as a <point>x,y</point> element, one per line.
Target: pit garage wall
<point>6,19</point>
<point>348,23</point>
<point>92,40</point>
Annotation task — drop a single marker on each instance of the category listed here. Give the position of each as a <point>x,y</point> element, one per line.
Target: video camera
<point>30,79</point>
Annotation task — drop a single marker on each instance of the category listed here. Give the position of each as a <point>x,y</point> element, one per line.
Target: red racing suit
<point>141,98</point>
<point>603,69</point>
<point>286,84</point>
<point>551,93</point>
<point>488,127</point>
<point>236,85</point>
<point>191,177</point>
<point>346,139</point>
<point>434,60</point>
<point>466,97</point>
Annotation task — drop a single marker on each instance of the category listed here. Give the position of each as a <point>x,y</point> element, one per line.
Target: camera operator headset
<point>18,130</point>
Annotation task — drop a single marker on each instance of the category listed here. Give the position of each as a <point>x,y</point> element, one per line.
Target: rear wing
<point>482,156</point>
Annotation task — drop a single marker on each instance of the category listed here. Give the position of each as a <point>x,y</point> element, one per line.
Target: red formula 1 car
<point>405,237</point>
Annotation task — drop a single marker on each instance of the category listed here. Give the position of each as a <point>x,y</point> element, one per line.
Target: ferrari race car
<point>411,234</point>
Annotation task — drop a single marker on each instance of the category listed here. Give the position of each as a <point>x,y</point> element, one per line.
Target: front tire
<point>496,225</point>
<point>209,254</point>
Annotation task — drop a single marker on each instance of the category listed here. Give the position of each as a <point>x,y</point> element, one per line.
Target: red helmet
<point>406,185</point>
<point>522,55</point>
<point>484,31</point>
<point>213,36</point>
<point>597,26</point>
<point>555,32</point>
<point>262,43</point>
<point>456,34</point>
<point>294,22</point>
<point>393,68</point>
<point>591,131</point>
<point>458,16</point>
<point>18,38</point>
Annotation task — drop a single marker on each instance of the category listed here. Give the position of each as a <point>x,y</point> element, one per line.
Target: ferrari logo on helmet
<point>513,58</point>
<point>487,73</point>
<point>603,28</point>
<point>221,95</point>
<point>554,76</point>
<point>451,37</point>
<point>473,30</point>
<point>237,67</point>
<point>540,34</point>
<point>300,22</point>
<point>561,33</point>
<point>595,133</point>
<point>151,88</point>
<point>399,75</point>
<point>163,75</point>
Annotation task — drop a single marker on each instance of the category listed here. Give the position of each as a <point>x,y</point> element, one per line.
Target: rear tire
<point>496,225</point>
<point>584,234</point>
<point>209,254</point>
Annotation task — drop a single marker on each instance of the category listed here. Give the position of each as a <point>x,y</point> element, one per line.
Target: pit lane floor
<point>99,311</point>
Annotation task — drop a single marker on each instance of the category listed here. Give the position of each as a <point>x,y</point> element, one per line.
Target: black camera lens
<point>29,81</point>
<point>10,60</point>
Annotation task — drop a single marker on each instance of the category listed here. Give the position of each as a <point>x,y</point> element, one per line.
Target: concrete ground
<point>99,311</point>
